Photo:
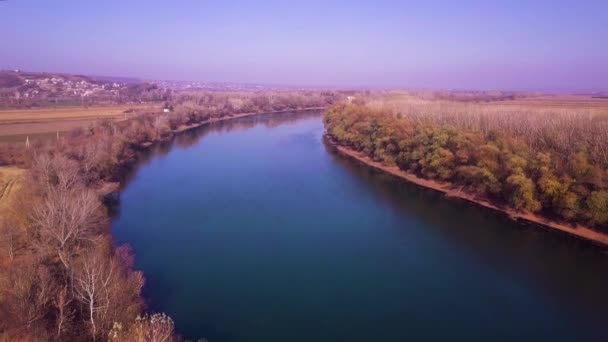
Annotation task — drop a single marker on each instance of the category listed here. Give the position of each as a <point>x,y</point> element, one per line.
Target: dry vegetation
<point>546,159</point>
<point>563,125</point>
<point>28,115</point>
<point>576,102</point>
<point>61,277</point>
<point>17,124</point>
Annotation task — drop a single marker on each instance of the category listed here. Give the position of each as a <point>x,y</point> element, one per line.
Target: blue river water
<point>257,230</point>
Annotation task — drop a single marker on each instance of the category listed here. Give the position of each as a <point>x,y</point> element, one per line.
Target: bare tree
<point>55,172</point>
<point>67,218</point>
<point>31,288</point>
<point>65,313</point>
<point>92,282</point>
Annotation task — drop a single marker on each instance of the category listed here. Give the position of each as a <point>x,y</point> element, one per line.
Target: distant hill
<point>225,86</point>
<point>33,89</point>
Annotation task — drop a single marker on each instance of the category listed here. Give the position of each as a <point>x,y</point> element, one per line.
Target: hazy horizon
<point>548,45</point>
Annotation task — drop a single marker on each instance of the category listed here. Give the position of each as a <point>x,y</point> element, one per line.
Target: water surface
<point>255,230</point>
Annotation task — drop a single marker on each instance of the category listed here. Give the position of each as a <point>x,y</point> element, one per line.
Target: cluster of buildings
<point>64,87</point>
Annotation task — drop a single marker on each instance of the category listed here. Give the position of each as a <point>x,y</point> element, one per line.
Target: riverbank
<point>577,231</point>
<point>109,189</point>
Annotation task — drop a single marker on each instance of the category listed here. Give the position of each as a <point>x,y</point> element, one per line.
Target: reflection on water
<point>256,230</point>
<point>489,236</point>
<point>191,137</point>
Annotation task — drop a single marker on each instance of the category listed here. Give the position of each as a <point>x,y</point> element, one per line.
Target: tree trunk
<point>91,311</point>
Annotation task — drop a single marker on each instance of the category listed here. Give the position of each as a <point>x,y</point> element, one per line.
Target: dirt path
<point>578,231</point>
<point>10,178</point>
<point>4,192</point>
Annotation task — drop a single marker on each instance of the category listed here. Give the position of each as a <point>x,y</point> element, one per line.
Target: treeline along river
<point>257,230</point>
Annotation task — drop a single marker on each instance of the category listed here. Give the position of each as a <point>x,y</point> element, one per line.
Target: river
<point>257,230</point>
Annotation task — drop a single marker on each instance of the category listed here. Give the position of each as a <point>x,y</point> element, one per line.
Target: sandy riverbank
<point>577,231</point>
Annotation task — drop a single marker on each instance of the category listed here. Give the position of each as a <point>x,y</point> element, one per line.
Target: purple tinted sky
<point>547,45</point>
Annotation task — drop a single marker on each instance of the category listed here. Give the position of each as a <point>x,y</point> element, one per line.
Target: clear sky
<point>525,45</point>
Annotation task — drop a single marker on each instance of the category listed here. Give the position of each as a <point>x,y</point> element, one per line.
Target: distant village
<point>23,85</point>
<point>22,88</point>
<point>19,88</point>
<point>67,87</point>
